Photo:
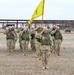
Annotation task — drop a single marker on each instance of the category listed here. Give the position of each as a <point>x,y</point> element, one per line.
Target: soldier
<point>32,33</point>
<point>49,29</point>
<point>25,40</point>
<point>20,32</point>
<point>15,40</point>
<point>58,40</point>
<point>37,42</point>
<point>10,36</point>
<point>46,45</point>
<point>53,30</point>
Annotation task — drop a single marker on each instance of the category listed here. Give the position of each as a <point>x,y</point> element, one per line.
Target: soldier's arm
<point>20,34</point>
<point>61,37</point>
<point>6,31</point>
<point>15,35</point>
<point>52,32</point>
<point>51,41</point>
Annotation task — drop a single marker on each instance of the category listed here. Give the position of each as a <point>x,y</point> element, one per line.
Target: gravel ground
<point>30,65</point>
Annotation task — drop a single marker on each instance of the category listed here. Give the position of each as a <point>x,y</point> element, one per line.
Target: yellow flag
<point>38,11</point>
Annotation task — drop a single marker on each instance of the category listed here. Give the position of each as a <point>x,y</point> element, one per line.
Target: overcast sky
<point>23,9</point>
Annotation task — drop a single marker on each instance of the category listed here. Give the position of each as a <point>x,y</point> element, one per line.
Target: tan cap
<point>10,27</point>
<point>57,27</point>
<point>45,28</point>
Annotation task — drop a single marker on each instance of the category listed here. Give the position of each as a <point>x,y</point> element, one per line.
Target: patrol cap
<point>45,28</point>
<point>40,27</point>
<point>32,26</point>
<point>10,27</point>
<point>22,27</point>
<point>54,26</point>
<point>58,27</point>
<point>13,27</point>
<point>7,28</point>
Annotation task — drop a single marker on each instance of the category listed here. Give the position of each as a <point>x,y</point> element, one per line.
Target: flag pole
<point>43,12</point>
<point>42,20</point>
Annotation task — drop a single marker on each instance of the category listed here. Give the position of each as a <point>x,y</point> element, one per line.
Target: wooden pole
<point>43,12</point>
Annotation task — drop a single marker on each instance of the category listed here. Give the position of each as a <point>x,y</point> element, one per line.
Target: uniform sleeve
<point>38,35</point>
<point>15,35</point>
<point>61,36</point>
<point>20,34</point>
<point>51,40</point>
<point>5,32</point>
<point>52,32</point>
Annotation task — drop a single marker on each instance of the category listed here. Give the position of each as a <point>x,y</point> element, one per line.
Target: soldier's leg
<point>23,46</point>
<point>43,64</point>
<point>56,46</point>
<point>26,47</point>
<point>33,45</point>
<point>54,51</point>
<point>8,46</point>
<point>39,53</point>
<point>12,46</point>
<point>57,49</point>
<point>20,46</point>
<point>44,60</point>
<point>38,50</point>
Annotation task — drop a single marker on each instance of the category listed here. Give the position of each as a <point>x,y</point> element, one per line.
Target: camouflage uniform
<point>53,30</point>
<point>20,33</point>
<point>10,36</point>
<point>15,39</point>
<point>46,44</point>
<point>37,43</point>
<point>32,33</point>
<point>25,41</point>
<point>58,40</point>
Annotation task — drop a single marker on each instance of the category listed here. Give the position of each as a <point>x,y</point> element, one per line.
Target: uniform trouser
<point>10,45</point>
<point>45,53</point>
<point>38,51</point>
<point>14,45</point>
<point>24,45</point>
<point>57,46</point>
<point>20,45</point>
<point>53,44</point>
<point>33,44</point>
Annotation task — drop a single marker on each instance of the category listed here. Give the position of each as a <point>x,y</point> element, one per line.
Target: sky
<point>23,9</point>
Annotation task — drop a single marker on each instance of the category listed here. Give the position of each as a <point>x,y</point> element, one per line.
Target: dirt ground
<point>30,65</point>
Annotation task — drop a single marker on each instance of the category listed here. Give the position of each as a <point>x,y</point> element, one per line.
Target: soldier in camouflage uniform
<point>53,30</point>
<point>10,36</point>
<point>20,32</point>
<point>58,40</point>
<point>15,39</point>
<point>32,33</point>
<point>25,40</point>
<point>46,45</point>
<point>37,42</point>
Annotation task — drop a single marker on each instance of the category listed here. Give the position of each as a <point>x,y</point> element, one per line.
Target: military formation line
<point>44,41</point>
